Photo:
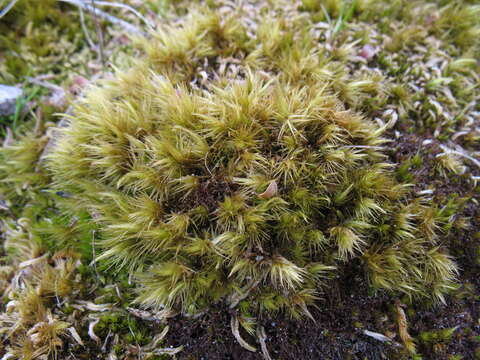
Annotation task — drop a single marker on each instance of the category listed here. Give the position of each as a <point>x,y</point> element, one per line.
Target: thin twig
<point>101,53</point>
<point>45,84</point>
<point>127,7</point>
<point>7,8</point>
<point>85,30</point>
<point>114,20</point>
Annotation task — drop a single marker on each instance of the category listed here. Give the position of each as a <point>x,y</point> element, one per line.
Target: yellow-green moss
<point>224,165</point>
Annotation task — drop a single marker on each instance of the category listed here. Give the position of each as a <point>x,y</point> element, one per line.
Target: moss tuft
<point>222,166</point>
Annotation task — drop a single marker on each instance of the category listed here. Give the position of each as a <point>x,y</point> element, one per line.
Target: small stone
<point>8,99</point>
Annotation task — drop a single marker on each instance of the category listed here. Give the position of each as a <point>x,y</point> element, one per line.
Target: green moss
<point>455,357</point>
<point>30,35</point>
<point>477,353</point>
<point>405,172</point>
<point>437,336</point>
<point>358,325</point>
<point>210,185</point>
<point>68,309</point>
<point>166,182</point>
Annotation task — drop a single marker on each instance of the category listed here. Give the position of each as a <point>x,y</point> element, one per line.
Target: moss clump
<point>223,166</point>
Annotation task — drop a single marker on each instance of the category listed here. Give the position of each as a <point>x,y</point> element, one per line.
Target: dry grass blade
<point>73,332</point>
<point>459,153</point>
<point>85,30</point>
<point>92,306</point>
<point>261,339</point>
<point>91,331</point>
<point>156,340</point>
<point>7,8</point>
<point>126,7</point>
<point>114,20</point>
<point>234,323</point>
<point>149,350</point>
<point>237,297</point>
<point>377,336</point>
<point>168,351</point>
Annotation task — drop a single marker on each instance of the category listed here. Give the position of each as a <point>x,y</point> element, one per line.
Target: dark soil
<point>348,307</point>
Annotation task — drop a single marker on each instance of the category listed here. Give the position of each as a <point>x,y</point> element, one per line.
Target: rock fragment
<point>8,99</point>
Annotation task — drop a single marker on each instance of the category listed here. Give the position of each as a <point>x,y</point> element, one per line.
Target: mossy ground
<point>411,65</point>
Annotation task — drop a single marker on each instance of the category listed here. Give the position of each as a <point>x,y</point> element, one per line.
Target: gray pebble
<point>8,98</point>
